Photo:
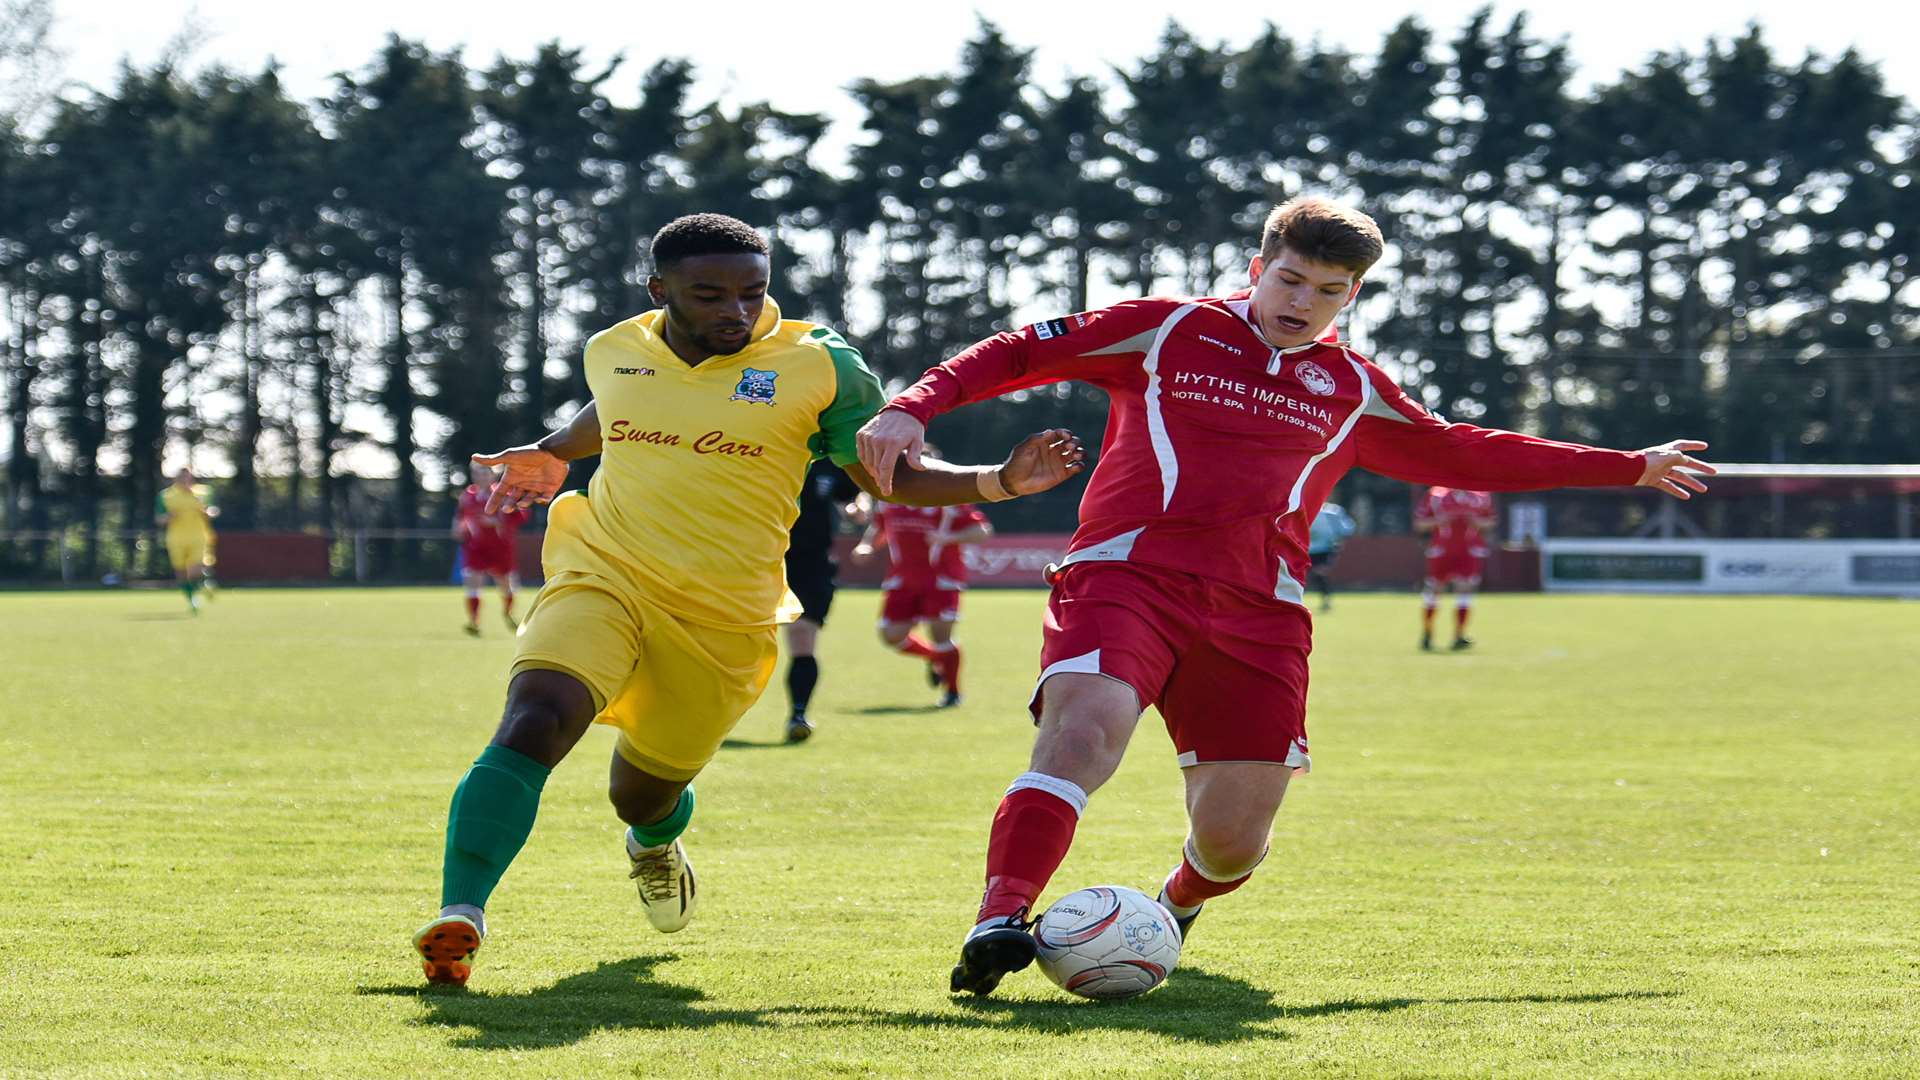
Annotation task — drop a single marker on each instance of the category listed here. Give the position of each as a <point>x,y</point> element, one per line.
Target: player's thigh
<point>903,606</point>
<point>185,553</point>
<point>690,687</point>
<point>584,627</point>
<point>1239,697</point>
<point>803,635</point>
<point>1116,622</point>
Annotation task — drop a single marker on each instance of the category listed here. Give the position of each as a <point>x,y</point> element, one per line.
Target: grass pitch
<point>1622,837</point>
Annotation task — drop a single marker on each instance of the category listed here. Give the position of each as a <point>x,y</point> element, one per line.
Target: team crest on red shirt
<point>1313,377</point>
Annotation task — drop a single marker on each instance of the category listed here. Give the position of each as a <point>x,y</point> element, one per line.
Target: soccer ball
<point>1107,942</point>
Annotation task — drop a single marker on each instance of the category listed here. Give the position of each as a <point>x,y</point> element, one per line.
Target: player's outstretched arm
<point>535,473</point>
<point>882,441</point>
<point>1672,470</point>
<point>1041,462</point>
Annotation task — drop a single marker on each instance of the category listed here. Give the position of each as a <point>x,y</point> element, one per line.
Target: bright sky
<point>800,56</point>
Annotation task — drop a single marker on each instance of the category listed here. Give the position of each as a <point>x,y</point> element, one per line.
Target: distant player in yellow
<point>665,580</point>
<point>183,510</point>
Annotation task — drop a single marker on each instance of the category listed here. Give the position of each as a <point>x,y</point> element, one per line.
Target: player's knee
<point>638,797</point>
<point>1227,850</point>
<point>1080,747</point>
<point>543,723</point>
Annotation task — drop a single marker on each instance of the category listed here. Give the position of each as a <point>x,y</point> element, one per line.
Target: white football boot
<point>666,884</point>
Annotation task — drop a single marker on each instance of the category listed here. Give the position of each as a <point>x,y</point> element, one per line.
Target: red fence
<point>1017,560</point>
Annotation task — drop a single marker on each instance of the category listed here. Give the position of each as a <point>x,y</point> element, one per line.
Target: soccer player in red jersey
<point>486,547</point>
<point>1455,523</point>
<point>927,573</point>
<point>1230,420</point>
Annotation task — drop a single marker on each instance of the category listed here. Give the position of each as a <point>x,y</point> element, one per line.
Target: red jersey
<point>484,532</point>
<point>1220,448</point>
<point>919,558</point>
<point>1457,516</point>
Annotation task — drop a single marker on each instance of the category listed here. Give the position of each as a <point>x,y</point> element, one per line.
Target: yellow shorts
<point>186,552</point>
<point>673,688</point>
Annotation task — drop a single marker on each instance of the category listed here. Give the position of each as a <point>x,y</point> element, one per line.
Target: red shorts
<point>1456,566</point>
<point>1226,667</point>
<point>495,559</point>
<point>911,602</point>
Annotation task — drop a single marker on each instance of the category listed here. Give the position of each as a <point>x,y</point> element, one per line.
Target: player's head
<point>183,478</point>
<point>1313,253</point>
<point>710,273</point>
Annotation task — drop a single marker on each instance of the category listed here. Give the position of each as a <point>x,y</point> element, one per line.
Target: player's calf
<point>1200,878</point>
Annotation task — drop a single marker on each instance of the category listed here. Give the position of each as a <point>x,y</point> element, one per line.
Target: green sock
<point>186,590</point>
<point>669,828</point>
<point>492,813</point>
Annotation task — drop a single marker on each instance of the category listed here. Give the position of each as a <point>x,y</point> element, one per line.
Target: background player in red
<point>1230,420</point>
<point>927,574</point>
<point>487,544</point>
<point>1456,523</point>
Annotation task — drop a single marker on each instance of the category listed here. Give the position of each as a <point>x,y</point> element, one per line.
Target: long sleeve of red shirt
<point>1220,448</point>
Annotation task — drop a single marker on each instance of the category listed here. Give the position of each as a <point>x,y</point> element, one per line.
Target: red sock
<point>1188,888</point>
<point>506,603</point>
<point>1426,618</point>
<point>915,645</point>
<point>947,664</point>
<point>1460,620</point>
<point>473,609</point>
<point>1031,833</point>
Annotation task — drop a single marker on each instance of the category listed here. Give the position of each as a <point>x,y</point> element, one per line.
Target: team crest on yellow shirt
<point>755,386</point>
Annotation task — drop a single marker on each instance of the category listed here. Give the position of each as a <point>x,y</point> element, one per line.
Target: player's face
<point>1295,298</point>
<point>712,302</point>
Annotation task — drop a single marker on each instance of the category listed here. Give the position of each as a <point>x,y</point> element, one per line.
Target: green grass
<point>1624,837</point>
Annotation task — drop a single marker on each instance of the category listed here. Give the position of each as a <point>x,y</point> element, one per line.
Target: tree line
<point>1716,242</point>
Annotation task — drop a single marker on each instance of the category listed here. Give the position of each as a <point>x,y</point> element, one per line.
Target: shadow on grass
<point>894,710</point>
<point>745,744</point>
<point>159,616</point>
<point>1195,1006</point>
<point>1381,1005</point>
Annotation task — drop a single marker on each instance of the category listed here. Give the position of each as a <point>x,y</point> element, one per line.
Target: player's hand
<point>884,439</point>
<point>1043,461</point>
<point>1671,470</point>
<point>861,552</point>
<point>532,476</point>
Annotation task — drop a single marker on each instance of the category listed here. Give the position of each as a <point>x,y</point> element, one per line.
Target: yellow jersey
<point>701,465</point>
<point>186,510</point>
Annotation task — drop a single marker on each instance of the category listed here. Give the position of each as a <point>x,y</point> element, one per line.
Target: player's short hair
<point>704,234</point>
<point>1324,231</point>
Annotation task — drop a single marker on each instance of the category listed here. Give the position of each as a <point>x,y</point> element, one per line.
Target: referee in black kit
<point>827,494</point>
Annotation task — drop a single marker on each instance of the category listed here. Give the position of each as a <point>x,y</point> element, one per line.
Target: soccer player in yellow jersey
<point>183,510</point>
<point>664,579</point>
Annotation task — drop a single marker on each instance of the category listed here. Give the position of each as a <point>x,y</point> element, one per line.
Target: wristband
<point>991,489</point>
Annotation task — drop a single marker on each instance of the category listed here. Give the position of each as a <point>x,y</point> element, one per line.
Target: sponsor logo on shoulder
<point>1053,328</point>
<point>1218,344</point>
<point>633,371</point>
<point>1314,377</point>
<point>756,386</point>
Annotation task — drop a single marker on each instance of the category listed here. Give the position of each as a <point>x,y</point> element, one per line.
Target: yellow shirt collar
<point>652,323</point>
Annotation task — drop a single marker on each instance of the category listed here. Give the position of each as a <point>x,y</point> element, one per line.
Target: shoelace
<point>656,874</point>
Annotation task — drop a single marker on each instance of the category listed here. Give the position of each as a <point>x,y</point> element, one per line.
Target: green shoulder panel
<point>857,396</point>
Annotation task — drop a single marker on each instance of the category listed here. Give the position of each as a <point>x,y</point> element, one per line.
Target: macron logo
<point>1218,344</point>
<point>633,371</point>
